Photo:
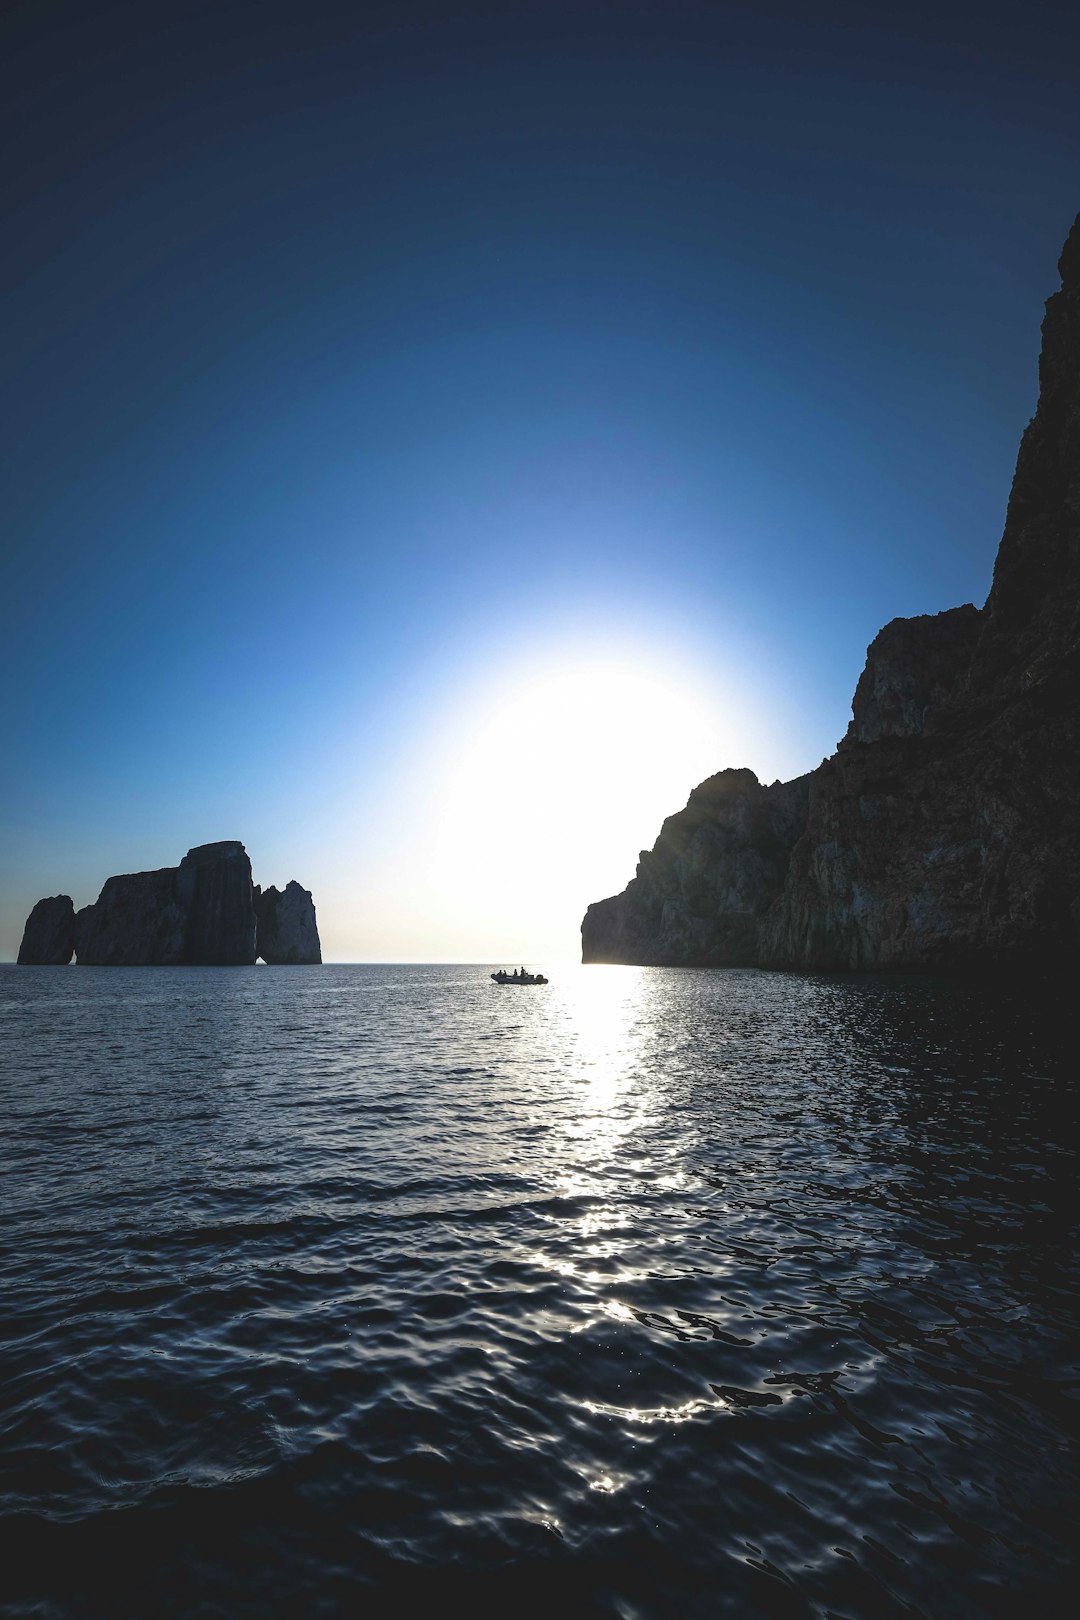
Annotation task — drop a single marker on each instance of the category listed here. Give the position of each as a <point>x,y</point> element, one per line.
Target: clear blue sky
<point>434,437</point>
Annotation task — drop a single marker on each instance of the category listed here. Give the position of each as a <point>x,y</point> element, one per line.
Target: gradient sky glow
<point>438,436</point>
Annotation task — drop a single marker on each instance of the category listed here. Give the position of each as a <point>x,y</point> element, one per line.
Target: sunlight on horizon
<point>555,787</point>
<point>506,806</point>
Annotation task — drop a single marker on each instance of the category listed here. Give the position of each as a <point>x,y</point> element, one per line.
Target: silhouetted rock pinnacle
<point>49,936</point>
<point>286,931</point>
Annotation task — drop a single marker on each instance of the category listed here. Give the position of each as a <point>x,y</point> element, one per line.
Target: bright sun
<point>557,784</point>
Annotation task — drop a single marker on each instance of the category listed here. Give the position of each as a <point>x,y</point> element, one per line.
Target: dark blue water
<point>647,1293</point>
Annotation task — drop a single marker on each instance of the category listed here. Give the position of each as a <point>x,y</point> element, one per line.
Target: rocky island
<point>944,831</point>
<point>206,912</point>
<point>285,926</point>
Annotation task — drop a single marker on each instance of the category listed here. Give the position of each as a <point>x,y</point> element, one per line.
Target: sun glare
<point>556,785</point>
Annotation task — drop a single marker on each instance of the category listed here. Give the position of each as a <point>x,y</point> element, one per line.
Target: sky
<point>436,437</point>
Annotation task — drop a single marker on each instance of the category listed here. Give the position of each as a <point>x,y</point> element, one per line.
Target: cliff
<point>942,834</point>
<point>201,913</point>
<point>700,893</point>
<point>49,936</point>
<point>286,932</point>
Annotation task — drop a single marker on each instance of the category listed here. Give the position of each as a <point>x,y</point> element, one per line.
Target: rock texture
<point>136,921</point>
<point>286,932</point>
<point>914,670</point>
<point>49,936</point>
<point>700,893</point>
<point>200,913</point>
<point>944,832</point>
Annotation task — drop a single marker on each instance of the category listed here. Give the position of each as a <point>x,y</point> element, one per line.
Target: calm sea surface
<point>647,1293</point>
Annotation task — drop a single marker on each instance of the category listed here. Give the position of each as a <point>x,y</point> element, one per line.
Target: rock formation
<point>49,936</point>
<point>714,871</point>
<point>198,914</point>
<point>943,832</point>
<point>286,933</point>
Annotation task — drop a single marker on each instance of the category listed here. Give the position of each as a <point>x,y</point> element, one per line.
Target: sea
<point>646,1293</point>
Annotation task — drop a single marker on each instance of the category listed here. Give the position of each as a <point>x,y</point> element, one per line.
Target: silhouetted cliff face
<point>944,832</point>
<point>1029,636</point>
<point>49,936</point>
<point>200,913</point>
<point>136,921</point>
<point>916,669</point>
<point>286,932</point>
<point>215,890</point>
<point>702,890</point>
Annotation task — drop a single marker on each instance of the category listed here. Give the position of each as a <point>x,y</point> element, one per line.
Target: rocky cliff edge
<point>943,833</point>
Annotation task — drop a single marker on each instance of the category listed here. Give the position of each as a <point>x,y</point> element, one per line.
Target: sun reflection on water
<point>604,1010</point>
<point>609,1103</point>
<point>611,1242</point>
<point>604,1005</point>
<point>684,1412</point>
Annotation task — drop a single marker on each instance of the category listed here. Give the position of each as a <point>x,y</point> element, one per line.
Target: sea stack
<point>286,933</point>
<point>943,833</point>
<point>49,936</point>
<point>201,913</point>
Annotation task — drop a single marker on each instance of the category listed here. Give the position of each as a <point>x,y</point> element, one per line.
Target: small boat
<point>518,978</point>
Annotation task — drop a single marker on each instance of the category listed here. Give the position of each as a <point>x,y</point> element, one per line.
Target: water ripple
<point>649,1294</point>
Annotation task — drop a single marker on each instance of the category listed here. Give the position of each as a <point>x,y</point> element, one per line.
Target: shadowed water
<point>645,1293</point>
